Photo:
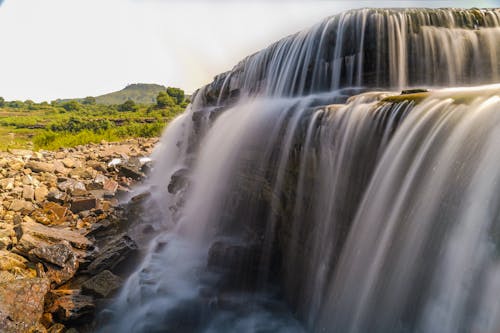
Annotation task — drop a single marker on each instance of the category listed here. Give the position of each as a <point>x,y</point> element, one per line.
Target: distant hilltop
<point>140,93</point>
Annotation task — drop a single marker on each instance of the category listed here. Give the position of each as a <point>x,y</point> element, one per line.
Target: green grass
<point>44,126</point>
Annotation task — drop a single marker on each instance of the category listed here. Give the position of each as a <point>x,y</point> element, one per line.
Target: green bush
<point>128,106</point>
<point>176,93</point>
<point>71,106</point>
<point>164,100</point>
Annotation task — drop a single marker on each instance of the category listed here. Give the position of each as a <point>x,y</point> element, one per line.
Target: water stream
<point>294,199</point>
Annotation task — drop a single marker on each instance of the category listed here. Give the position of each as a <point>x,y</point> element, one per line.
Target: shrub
<point>71,106</point>
<point>164,100</point>
<point>176,93</point>
<point>129,106</point>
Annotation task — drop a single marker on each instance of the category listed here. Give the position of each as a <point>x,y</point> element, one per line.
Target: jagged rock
<point>82,204</point>
<point>15,265</point>
<point>98,182</point>
<point>102,284</point>
<point>7,183</point>
<point>60,168</point>
<point>19,205</point>
<point>41,193</point>
<point>58,254</point>
<point>110,186</point>
<point>35,235</point>
<point>118,249</point>
<point>71,186</point>
<point>28,193</point>
<point>69,162</point>
<point>178,181</point>
<point>56,196</point>
<point>60,261</point>
<point>21,152</point>
<point>21,304</point>
<point>73,308</point>
<point>40,166</point>
<point>130,171</point>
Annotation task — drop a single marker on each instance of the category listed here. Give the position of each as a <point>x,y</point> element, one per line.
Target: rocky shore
<point>62,241</point>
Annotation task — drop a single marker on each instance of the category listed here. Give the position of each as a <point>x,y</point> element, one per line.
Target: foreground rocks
<point>61,243</point>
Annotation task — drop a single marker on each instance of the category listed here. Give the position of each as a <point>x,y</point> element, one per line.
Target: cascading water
<point>288,206</point>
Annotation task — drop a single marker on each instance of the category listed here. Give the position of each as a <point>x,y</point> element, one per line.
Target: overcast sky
<point>75,48</point>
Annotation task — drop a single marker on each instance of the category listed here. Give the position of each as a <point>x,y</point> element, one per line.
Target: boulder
<point>102,285</point>
<point>69,162</point>
<point>131,171</point>
<point>58,254</point>
<point>72,308</point>
<point>7,184</point>
<point>15,265</point>
<point>28,193</point>
<point>19,205</point>
<point>114,252</point>
<point>81,204</point>
<point>41,193</point>
<point>71,185</point>
<point>35,235</point>
<point>40,166</point>
<point>21,304</point>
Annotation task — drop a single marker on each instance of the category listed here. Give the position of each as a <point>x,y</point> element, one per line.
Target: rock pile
<point>60,238</point>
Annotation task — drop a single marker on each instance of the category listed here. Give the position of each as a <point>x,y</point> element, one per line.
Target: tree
<point>2,102</point>
<point>129,105</point>
<point>164,100</point>
<point>72,106</point>
<point>89,100</point>
<point>176,93</point>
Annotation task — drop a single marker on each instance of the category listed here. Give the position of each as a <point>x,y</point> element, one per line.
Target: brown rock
<point>35,235</point>
<point>18,205</point>
<point>28,193</point>
<point>120,248</point>
<point>103,284</point>
<point>81,204</point>
<point>7,183</point>
<point>14,264</point>
<point>21,152</point>
<point>73,308</point>
<point>110,186</point>
<point>40,166</point>
<point>41,193</point>
<point>55,211</point>
<point>71,185</point>
<point>21,304</point>
<point>69,162</point>
<point>58,254</point>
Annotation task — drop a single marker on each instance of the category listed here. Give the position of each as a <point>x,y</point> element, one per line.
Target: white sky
<point>76,48</point>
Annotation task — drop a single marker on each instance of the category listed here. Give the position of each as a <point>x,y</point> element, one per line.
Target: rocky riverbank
<point>62,241</point>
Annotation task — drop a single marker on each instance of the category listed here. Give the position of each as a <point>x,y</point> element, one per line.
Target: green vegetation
<point>75,122</point>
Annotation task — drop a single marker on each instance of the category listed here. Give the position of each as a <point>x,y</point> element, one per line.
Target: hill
<point>141,93</point>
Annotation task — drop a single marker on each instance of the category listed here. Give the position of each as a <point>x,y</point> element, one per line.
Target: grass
<point>44,126</point>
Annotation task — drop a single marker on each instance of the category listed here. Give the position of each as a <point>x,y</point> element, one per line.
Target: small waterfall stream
<point>301,192</point>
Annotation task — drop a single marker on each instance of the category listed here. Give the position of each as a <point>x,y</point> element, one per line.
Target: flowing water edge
<point>301,192</point>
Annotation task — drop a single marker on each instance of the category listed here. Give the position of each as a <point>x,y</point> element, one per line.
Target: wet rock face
<point>117,250</point>
<point>102,285</point>
<point>58,214</point>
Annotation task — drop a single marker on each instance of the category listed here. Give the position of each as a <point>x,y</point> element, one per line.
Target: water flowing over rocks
<point>290,197</point>
<point>57,210</point>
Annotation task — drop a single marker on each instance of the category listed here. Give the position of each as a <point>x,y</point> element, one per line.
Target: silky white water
<point>288,206</point>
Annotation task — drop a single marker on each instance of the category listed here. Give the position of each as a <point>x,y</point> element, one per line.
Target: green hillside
<point>140,93</point>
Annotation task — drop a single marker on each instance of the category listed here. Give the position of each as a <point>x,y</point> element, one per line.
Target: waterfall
<point>303,192</point>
